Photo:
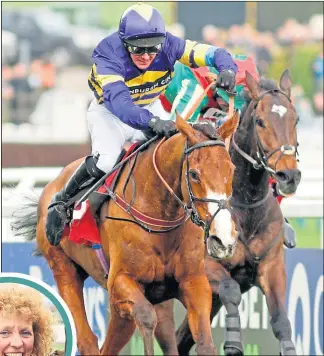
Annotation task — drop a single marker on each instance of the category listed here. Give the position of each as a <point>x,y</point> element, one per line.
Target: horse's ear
<point>252,85</point>
<point>187,130</point>
<point>285,82</point>
<point>229,126</point>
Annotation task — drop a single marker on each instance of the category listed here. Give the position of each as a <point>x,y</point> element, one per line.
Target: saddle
<point>83,228</point>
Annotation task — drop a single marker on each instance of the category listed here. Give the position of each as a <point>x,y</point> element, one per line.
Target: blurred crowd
<point>23,84</point>
<point>264,47</point>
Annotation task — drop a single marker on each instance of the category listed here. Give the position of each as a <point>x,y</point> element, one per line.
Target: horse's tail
<point>24,220</point>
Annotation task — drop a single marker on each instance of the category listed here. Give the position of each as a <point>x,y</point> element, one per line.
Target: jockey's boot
<point>290,236</point>
<point>59,214</point>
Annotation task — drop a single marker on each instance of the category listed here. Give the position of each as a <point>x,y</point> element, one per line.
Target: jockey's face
<point>142,61</point>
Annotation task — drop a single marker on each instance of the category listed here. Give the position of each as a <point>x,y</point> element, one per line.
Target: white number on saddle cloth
<point>279,109</point>
<point>80,211</point>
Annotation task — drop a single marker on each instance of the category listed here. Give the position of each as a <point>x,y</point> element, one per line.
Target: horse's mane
<point>208,129</point>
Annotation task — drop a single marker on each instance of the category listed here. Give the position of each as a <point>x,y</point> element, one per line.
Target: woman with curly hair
<point>25,322</point>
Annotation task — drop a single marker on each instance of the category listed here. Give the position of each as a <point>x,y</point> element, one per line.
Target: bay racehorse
<point>188,175</point>
<point>264,144</point>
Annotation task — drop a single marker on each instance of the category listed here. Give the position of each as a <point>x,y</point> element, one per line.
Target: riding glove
<point>165,128</point>
<point>226,80</point>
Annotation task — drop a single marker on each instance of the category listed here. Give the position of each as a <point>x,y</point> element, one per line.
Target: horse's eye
<point>260,123</point>
<point>194,175</point>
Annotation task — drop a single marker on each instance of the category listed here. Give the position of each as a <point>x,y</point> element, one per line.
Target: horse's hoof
<point>288,353</point>
<point>287,348</point>
<point>232,351</point>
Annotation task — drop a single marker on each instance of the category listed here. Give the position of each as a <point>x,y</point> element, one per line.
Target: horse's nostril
<point>282,176</point>
<point>288,176</point>
<point>218,240</point>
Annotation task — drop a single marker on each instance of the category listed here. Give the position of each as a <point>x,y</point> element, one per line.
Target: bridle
<point>262,157</point>
<point>190,208</point>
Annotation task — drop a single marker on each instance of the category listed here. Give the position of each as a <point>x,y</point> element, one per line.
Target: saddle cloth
<point>83,228</point>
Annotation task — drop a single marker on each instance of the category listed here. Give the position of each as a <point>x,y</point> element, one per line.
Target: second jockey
<point>132,67</point>
<point>189,83</point>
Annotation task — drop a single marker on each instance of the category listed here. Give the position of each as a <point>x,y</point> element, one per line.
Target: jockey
<point>132,67</point>
<point>189,83</point>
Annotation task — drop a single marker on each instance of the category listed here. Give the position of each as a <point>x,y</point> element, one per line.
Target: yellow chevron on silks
<point>143,10</point>
<point>157,90</point>
<point>95,84</point>
<point>149,76</point>
<point>104,79</point>
<point>199,56</point>
<point>109,78</point>
<point>96,87</point>
<point>145,101</point>
<point>185,59</point>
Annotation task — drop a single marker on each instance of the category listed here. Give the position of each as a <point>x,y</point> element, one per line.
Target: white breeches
<point>108,133</point>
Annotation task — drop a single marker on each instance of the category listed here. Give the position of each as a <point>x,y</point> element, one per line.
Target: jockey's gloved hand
<point>165,128</point>
<point>226,80</point>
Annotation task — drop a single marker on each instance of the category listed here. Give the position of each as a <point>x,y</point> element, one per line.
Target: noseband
<point>262,157</point>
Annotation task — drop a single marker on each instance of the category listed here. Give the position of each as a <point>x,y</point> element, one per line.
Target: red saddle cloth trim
<point>83,228</point>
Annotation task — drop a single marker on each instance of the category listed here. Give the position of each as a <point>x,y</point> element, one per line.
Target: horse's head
<point>274,121</point>
<point>206,184</point>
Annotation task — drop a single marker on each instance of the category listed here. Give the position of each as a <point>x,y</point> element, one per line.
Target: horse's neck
<point>249,185</point>
<point>154,193</point>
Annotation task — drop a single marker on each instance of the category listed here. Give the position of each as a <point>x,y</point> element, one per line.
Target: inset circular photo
<point>34,320</point>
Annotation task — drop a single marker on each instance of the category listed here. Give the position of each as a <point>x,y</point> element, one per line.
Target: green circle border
<point>52,298</point>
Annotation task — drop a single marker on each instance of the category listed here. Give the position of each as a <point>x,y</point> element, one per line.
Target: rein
<point>145,221</point>
<point>190,209</point>
<point>101,181</point>
<point>261,163</point>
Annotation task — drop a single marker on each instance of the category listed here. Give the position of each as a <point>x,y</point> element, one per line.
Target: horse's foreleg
<point>215,273</point>
<point>195,293</point>
<point>165,330</point>
<point>183,333</point>
<point>230,296</point>
<point>120,330</point>
<point>272,281</point>
<point>129,303</point>
<point>184,337</point>
<point>70,286</point>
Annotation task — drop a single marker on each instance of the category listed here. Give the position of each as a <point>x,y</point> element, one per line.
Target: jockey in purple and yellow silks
<point>132,67</point>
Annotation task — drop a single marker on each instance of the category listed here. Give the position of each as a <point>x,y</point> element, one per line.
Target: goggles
<point>141,50</point>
